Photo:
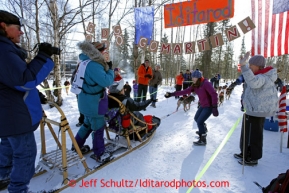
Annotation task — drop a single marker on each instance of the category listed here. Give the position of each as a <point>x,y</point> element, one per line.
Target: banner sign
<point>197,12</point>
<point>144,23</point>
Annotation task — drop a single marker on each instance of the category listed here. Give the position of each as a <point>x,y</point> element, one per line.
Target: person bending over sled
<point>117,90</point>
<point>208,99</point>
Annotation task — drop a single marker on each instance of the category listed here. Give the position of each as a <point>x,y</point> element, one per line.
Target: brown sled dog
<point>228,93</point>
<point>186,101</point>
<point>221,98</point>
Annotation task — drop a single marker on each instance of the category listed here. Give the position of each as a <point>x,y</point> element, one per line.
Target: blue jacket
<point>97,76</point>
<point>187,78</point>
<point>20,105</point>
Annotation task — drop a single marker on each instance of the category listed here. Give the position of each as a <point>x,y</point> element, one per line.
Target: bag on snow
<point>277,185</point>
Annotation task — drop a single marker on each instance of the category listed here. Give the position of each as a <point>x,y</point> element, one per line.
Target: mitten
<point>46,48</point>
<point>168,95</point>
<point>243,60</point>
<point>109,65</point>
<point>215,111</point>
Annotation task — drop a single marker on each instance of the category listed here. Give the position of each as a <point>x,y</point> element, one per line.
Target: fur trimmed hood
<point>94,54</point>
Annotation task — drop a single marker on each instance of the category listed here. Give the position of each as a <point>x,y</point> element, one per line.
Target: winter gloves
<point>243,60</point>
<point>148,76</point>
<point>168,95</point>
<point>215,111</point>
<point>46,48</point>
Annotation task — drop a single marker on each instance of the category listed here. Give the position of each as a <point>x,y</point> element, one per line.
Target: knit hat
<point>116,87</point>
<point>9,18</point>
<point>99,46</point>
<point>258,60</point>
<point>197,74</point>
<point>116,69</point>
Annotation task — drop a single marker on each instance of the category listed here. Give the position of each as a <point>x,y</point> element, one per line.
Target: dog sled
<point>63,168</point>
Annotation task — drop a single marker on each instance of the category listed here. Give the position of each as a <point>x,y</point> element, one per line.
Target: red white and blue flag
<point>271,35</point>
<point>282,118</point>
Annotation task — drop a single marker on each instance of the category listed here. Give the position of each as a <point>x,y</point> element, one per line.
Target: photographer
<point>20,104</point>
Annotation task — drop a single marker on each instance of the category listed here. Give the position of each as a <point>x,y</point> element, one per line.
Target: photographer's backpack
<point>277,185</point>
<point>76,84</point>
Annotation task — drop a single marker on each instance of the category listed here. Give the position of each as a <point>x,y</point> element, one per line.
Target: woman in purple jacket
<point>208,100</point>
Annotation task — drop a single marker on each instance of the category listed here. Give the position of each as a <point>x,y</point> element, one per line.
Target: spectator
<point>179,83</point>
<point>21,100</point>
<point>154,82</point>
<point>135,90</point>
<point>127,89</point>
<point>187,79</point>
<point>260,100</point>
<point>117,76</point>
<point>144,76</point>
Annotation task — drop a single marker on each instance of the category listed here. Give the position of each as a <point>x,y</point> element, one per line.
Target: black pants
<point>142,92</point>
<point>185,85</point>
<point>253,136</point>
<point>178,88</point>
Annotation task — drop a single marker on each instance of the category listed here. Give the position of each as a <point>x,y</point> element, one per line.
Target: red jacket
<point>179,79</point>
<point>142,71</point>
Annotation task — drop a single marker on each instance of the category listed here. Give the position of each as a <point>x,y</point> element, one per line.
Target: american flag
<point>271,35</point>
<point>282,118</point>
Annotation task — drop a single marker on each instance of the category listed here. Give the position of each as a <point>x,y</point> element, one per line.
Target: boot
<point>202,141</point>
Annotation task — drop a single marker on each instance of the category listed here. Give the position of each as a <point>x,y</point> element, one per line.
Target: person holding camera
<point>20,104</point>
<point>145,74</point>
<point>154,82</point>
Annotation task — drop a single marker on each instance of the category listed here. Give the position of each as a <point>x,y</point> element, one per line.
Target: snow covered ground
<point>170,161</point>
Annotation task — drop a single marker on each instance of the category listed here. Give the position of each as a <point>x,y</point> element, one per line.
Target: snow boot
<point>238,156</point>
<point>202,141</point>
<point>84,149</point>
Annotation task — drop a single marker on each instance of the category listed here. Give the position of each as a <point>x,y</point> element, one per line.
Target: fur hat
<point>258,60</point>
<point>197,74</point>
<point>116,87</point>
<point>99,46</point>
<point>94,54</point>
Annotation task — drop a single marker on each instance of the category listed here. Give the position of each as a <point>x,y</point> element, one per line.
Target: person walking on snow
<point>208,99</point>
